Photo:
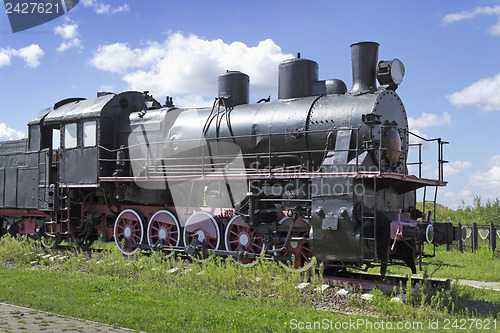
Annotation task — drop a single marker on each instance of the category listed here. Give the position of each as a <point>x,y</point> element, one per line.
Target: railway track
<point>387,283</point>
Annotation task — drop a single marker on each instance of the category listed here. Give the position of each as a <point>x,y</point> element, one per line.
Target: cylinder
<point>234,88</point>
<point>364,57</point>
<point>296,78</point>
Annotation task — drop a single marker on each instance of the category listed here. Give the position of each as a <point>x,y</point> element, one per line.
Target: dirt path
<point>480,285</point>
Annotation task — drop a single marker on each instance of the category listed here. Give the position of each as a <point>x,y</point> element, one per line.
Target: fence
<point>479,235</point>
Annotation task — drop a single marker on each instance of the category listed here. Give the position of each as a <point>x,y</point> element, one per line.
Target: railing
<point>147,161</point>
<point>440,166</point>
<point>440,150</point>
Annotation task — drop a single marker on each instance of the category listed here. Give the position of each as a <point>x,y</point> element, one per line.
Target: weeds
<point>225,278</point>
<point>484,252</point>
<point>21,251</point>
<point>266,278</point>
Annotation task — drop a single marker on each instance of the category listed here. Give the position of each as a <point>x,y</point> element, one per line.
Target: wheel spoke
<point>237,231</point>
<point>258,247</point>
<point>202,222</point>
<point>128,222</point>
<point>301,253</point>
<point>163,222</point>
<point>210,242</point>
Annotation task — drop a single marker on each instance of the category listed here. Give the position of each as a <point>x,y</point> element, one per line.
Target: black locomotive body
<point>318,172</point>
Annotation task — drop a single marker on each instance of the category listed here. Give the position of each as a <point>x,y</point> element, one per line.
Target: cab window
<point>89,133</point>
<point>70,139</point>
<point>56,138</point>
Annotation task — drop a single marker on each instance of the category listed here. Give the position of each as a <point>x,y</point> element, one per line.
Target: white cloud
<point>189,65</point>
<point>488,180</point>
<point>415,125</point>
<point>191,101</point>
<point>75,42</point>
<point>493,161</point>
<point>117,57</point>
<point>67,31</point>
<point>466,15</point>
<point>483,93</point>
<point>453,168</point>
<point>453,199</point>
<point>426,146</point>
<point>123,8</point>
<point>495,29</point>
<point>7,133</point>
<point>4,58</point>
<point>417,132</point>
<point>30,54</point>
<point>69,34</point>
<point>429,120</point>
<point>107,9</point>
<point>425,170</point>
<point>103,8</point>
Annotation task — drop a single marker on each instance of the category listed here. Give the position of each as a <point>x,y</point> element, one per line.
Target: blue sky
<point>450,50</point>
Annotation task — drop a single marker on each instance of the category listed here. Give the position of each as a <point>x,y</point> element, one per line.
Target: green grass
<point>480,265</point>
<point>149,306</point>
<point>158,307</point>
<point>141,293</point>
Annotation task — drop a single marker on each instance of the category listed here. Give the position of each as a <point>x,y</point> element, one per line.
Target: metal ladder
<point>369,215</point>
<point>64,210</point>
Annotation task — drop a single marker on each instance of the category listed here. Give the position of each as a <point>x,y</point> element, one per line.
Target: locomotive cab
<point>72,144</point>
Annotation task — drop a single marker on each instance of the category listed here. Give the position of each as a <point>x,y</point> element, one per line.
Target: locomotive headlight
<point>390,73</point>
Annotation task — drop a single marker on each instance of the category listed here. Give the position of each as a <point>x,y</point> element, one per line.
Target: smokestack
<point>364,57</point>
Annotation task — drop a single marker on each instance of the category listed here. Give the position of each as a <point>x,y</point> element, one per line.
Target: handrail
<point>152,165</point>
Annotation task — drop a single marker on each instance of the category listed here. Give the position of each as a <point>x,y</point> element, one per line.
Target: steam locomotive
<point>320,172</point>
